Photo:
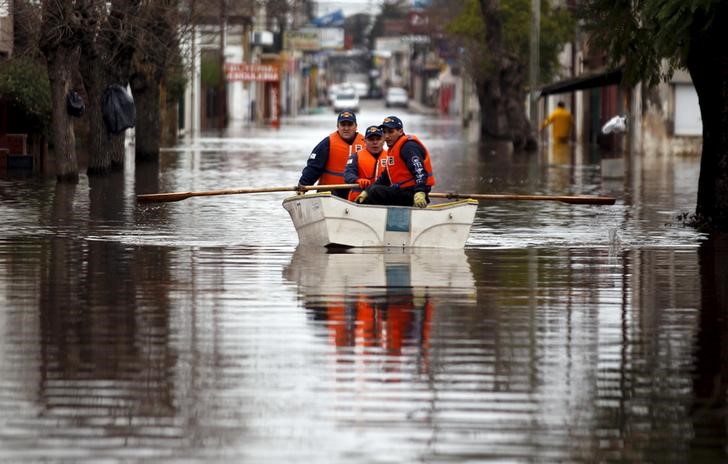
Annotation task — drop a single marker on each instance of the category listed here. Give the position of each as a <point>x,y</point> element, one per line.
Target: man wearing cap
<point>408,177</point>
<point>365,166</point>
<point>327,161</point>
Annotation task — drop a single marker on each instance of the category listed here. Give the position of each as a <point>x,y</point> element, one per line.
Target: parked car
<point>331,92</point>
<point>362,89</point>
<point>396,96</point>
<point>346,100</point>
<point>336,88</point>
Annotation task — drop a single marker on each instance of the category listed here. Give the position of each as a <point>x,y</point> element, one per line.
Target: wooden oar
<point>177,196</point>
<point>573,199</point>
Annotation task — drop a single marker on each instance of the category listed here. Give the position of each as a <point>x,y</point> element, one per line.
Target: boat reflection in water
<point>380,303</point>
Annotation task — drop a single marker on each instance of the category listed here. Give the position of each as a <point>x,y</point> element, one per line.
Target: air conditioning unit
<point>262,38</point>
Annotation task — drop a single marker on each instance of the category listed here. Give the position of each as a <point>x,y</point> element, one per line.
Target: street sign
<point>251,72</point>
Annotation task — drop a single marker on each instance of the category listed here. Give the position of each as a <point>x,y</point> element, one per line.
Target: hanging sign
<point>251,72</point>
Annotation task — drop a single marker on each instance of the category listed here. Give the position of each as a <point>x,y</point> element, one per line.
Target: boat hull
<point>329,221</point>
<point>360,271</point>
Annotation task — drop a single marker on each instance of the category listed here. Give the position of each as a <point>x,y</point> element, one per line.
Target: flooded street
<point>197,331</point>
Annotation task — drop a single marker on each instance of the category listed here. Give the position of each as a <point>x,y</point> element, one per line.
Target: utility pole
<point>222,94</point>
<point>534,62</point>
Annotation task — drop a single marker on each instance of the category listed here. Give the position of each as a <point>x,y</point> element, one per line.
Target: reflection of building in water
<point>378,302</point>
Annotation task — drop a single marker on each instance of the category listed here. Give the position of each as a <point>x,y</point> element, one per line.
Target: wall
<point>658,120</point>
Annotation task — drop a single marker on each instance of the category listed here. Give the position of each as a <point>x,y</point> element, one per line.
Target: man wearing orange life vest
<point>408,177</point>
<point>327,161</point>
<point>365,166</point>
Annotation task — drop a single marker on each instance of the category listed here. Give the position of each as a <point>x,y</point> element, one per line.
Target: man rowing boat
<point>408,177</point>
<point>327,161</point>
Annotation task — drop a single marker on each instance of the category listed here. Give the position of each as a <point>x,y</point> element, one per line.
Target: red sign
<point>418,21</point>
<point>251,72</point>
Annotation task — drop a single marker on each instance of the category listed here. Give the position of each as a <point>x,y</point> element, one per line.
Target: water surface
<point>198,331</point>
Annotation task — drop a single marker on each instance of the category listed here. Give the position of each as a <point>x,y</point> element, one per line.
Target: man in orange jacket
<point>408,177</point>
<point>365,166</point>
<point>328,159</point>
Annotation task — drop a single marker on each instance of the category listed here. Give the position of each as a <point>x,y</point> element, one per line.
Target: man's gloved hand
<point>300,190</point>
<point>362,197</point>
<point>363,183</point>
<point>420,200</point>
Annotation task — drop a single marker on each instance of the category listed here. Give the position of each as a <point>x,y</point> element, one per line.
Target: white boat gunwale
<point>320,221</point>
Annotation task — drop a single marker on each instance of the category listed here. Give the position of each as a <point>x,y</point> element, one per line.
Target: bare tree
<point>61,27</point>
<point>108,45</point>
<point>158,38</point>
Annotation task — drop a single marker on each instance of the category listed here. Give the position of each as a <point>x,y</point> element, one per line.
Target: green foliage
<point>468,24</point>
<point>176,84</point>
<point>641,34</point>
<point>175,77</point>
<point>25,84</point>
<point>557,27</point>
<point>210,70</point>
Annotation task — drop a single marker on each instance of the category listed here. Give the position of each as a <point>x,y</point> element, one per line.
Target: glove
<point>362,197</point>
<point>363,183</point>
<point>420,200</point>
<point>300,190</point>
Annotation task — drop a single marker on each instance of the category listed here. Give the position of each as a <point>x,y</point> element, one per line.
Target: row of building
<point>252,65</point>
<point>285,71</point>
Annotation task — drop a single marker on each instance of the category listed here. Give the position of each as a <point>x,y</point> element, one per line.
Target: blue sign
<point>333,19</point>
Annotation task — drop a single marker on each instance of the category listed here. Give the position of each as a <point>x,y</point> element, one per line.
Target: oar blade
<point>589,200</point>
<point>572,199</point>
<point>163,197</point>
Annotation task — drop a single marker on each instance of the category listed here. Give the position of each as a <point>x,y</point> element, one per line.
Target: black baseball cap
<point>346,116</point>
<point>392,122</point>
<point>372,131</point>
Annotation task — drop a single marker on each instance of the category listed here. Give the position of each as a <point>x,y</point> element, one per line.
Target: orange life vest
<point>369,167</point>
<point>339,331</point>
<point>399,174</point>
<point>389,325</point>
<point>339,152</point>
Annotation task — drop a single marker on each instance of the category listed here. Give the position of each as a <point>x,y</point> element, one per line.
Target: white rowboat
<point>370,271</point>
<point>328,221</point>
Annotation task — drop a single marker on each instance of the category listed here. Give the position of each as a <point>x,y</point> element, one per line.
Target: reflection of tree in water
<point>105,348</point>
<point>710,378</point>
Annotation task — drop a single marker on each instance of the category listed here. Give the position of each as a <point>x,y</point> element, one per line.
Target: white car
<point>396,96</point>
<point>362,89</point>
<point>346,100</point>
<point>331,92</point>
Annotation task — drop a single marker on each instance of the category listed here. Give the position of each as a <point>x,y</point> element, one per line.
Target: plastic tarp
<point>118,109</point>
<point>74,104</point>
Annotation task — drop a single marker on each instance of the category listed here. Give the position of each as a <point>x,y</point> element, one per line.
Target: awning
<point>584,82</point>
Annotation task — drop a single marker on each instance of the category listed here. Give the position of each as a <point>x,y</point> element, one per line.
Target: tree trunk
<point>148,129</point>
<point>60,66</point>
<point>106,150</point>
<point>502,96</point>
<point>106,56</point>
<point>708,66</point>
<point>99,152</point>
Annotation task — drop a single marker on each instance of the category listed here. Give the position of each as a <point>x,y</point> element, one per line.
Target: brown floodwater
<point>197,331</point>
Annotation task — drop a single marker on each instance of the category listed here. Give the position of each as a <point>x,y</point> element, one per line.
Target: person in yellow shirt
<point>561,122</point>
